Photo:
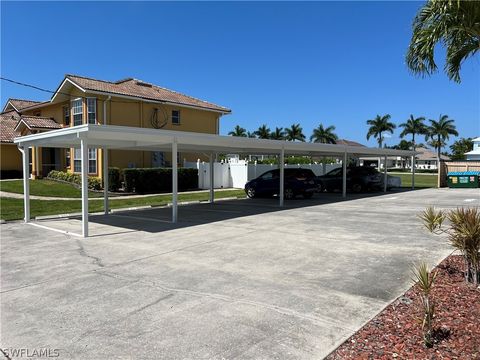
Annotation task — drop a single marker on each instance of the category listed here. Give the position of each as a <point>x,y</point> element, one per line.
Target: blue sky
<point>336,63</point>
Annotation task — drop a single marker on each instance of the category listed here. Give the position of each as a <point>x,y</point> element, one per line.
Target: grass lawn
<point>421,180</point>
<point>45,188</point>
<point>12,209</point>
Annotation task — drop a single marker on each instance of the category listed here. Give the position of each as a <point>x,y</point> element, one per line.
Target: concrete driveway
<point>237,279</point>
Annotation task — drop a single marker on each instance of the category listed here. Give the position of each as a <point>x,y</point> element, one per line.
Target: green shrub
<point>158,180</point>
<point>94,183</point>
<point>114,181</point>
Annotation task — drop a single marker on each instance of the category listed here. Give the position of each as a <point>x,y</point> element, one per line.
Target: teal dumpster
<point>463,179</point>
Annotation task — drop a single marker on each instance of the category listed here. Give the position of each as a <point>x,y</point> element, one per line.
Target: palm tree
<point>238,131</point>
<point>294,133</point>
<point>455,24</point>
<point>378,126</point>
<point>263,132</point>
<point>251,134</point>
<point>277,134</point>
<point>324,135</point>
<point>414,126</point>
<point>440,131</point>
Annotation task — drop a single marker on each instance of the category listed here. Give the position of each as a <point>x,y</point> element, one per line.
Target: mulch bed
<point>396,332</point>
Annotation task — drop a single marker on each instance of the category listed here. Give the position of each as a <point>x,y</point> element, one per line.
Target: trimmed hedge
<point>94,183</point>
<point>158,180</point>
<point>114,182</point>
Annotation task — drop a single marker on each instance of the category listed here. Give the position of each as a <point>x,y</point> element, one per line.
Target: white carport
<point>144,139</point>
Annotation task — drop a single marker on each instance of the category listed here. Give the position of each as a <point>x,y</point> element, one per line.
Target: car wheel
<point>356,188</point>
<point>307,195</point>
<point>251,193</point>
<point>289,194</point>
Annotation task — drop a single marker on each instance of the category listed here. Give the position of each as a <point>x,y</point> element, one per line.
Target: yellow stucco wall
<point>123,112</point>
<point>10,157</point>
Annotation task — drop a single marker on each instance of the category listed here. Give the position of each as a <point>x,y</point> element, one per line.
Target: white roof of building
<point>476,139</point>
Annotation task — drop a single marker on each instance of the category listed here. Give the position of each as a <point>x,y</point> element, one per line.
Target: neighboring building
<point>348,143</point>
<point>475,153</point>
<point>426,159</point>
<point>80,100</point>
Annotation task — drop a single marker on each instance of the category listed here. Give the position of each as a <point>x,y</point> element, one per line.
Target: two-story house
<point>129,102</point>
<point>475,153</point>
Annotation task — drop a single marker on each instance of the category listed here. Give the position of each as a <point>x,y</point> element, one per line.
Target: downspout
<point>105,122</point>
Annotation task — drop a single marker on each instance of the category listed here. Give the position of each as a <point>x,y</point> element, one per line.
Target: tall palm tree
<point>277,134</point>
<point>413,126</point>
<point>324,135</point>
<point>294,133</point>
<point>440,131</point>
<point>455,24</point>
<point>378,126</point>
<point>238,131</point>
<point>263,132</point>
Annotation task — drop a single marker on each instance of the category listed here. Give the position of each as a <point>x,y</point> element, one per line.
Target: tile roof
<point>140,89</point>
<point>39,122</point>
<point>348,143</point>
<point>8,122</point>
<point>20,104</point>
<point>428,154</point>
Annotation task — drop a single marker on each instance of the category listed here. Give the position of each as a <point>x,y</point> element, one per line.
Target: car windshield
<point>335,172</point>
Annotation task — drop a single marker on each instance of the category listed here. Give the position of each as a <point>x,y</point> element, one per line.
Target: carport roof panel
<point>133,138</point>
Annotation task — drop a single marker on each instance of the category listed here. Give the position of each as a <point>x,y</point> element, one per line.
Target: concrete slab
<point>238,279</point>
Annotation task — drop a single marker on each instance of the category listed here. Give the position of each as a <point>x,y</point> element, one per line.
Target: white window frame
<point>178,117</point>
<point>92,159</point>
<point>92,112</point>
<point>75,109</point>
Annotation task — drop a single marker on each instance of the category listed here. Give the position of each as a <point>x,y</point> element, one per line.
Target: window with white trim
<point>66,115</point>
<point>92,160</point>
<point>77,160</point>
<point>77,112</point>
<point>176,117</point>
<point>92,110</point>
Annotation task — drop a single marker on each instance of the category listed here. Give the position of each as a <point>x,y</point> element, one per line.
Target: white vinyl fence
<point>236,173</point>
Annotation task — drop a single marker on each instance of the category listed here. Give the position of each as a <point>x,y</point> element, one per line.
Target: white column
<point>26,183</point>
<point>105,181</point>
<point>385,177</point>
<point>212,178</point>
<point>281,165</point>
<point>84,159</point>
<point>413,172</point>
<point>174,182</point>
<point>344,175</point>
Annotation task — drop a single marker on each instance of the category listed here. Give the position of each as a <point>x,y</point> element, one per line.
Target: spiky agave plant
<point>425,278</point>
<point>463,233</point>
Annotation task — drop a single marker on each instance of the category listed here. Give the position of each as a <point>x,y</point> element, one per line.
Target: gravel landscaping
<point>396,332</point>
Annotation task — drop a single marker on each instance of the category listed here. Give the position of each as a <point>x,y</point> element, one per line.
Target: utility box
<point>463,179</point>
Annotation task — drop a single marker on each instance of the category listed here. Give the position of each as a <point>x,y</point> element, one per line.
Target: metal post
<point>413,172</point>
<point>344,175</point>
<point>281,165</point>
<point>174,181</point>
<point>212,179</point>
<point>105,181</point>
<point>26,183</point>
<point>84,183</point>
<point>324,166</point>
<point>385,176</point>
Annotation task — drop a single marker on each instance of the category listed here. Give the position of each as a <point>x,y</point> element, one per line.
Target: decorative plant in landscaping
<point>425,280</point>
<point>463,234</point>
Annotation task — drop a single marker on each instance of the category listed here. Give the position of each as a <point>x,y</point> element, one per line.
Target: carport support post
<point>211,197</point>
<point>281,165</point>
<point>413,172</point>
<point>84,176</point>
<point>105,180</point>
<point>385,177</point>
<point>174,181</point>
<point>344,175</point>
<point>26,183</point>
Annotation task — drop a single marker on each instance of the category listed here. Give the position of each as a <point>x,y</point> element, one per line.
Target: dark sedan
<point>297,182</point>
<point>359,178</point>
